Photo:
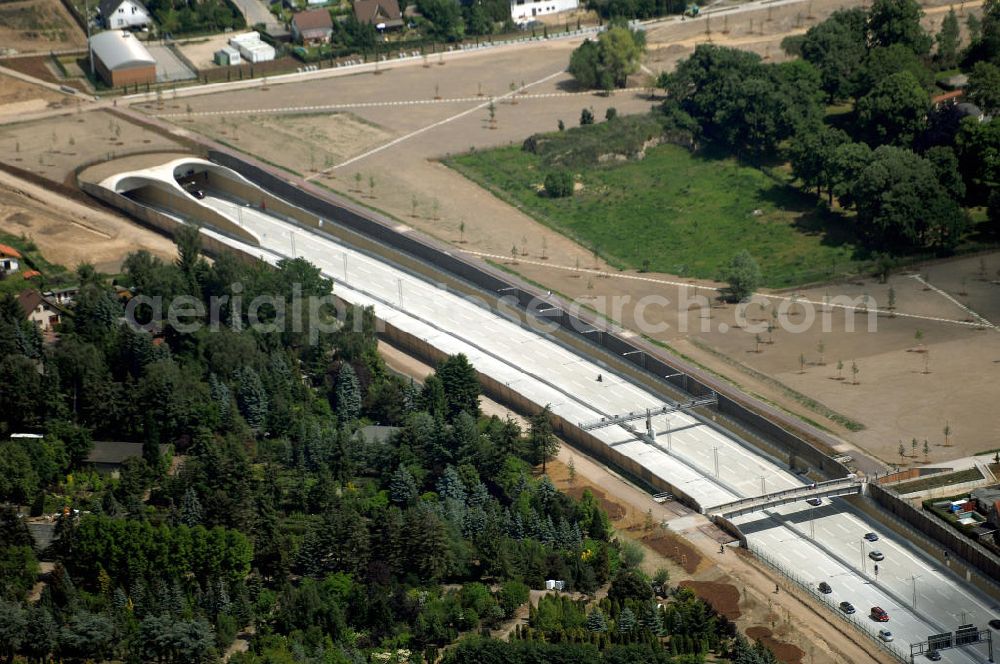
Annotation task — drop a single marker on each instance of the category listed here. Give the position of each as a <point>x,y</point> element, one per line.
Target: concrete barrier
<point>161,222</point>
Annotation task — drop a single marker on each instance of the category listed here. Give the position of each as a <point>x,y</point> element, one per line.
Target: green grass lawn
<point>53,275</point>
<point>678,213</point>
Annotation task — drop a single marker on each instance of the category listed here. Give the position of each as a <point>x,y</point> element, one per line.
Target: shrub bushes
<point>559,184</point>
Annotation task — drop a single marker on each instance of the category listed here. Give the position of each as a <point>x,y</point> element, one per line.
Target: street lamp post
<point>715,452</point>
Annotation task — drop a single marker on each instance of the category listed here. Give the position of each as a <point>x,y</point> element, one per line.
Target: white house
<point>40,310</point>
<point>124,14</point>
<point>9,259</point>
<point>523,11</point>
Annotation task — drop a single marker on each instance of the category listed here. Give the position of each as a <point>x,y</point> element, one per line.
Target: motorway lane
<point>548,373</point>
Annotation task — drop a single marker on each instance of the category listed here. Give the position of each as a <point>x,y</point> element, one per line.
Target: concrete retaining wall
<point>162,222</point>
<point>943,491</point>
<point>938,531</point>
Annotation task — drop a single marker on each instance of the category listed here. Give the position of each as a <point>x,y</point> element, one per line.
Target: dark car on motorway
<point>825,588</point>
<point>198,193</point>
<point>876,555</point>
<point>815,502</point>
<point>995,623</point>
<point>879,614</point>
<point>934,655</point>
<point>847,608</point>
<point>871,537</point>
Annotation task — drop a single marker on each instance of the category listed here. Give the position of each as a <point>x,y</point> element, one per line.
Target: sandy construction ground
<point>762,30</point>
<point>54,147</point>
<point>18,97</point>
<point>893,398</point>
<point>38,26</point>
<point>69,233</point>
<point>201,52</point>
<point>303,143</point>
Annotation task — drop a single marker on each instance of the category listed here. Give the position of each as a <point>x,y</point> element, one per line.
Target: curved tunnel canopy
<point>171,173</point>
<point>170,187</point>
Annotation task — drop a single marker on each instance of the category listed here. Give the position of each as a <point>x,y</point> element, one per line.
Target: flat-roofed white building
<point>523,11</point>
<point>252,47</point>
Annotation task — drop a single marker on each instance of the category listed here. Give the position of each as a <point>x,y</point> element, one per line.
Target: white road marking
<point>433,125</point>
<point>947,296</point>
<point>377,104</point>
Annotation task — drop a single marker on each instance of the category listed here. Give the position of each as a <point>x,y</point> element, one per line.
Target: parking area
<point>168,66</point>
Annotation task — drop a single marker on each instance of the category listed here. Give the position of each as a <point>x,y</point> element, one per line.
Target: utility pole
<point>763,491</point>
<point>715,451</point>
<point>344,256</point>
<point>90,49</point>
<point>913,579</point>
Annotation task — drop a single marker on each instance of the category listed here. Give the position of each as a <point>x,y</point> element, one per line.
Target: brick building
<point>121,59</point>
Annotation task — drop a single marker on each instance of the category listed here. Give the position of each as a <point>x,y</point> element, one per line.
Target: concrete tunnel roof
<point>164,177</point>
<point>164,174</point>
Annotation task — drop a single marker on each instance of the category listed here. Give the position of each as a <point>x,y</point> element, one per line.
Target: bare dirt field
<point>55,146</point>
<point>303,143</point>
<point>732,583</point>
<point>894,399</point>
<point>18,97</point>
<point>69,233</point>
<point>409,183</point>
<point>33,26</point>
<point>724,597</point>
<point>671,546</point>
<point>201,52</point>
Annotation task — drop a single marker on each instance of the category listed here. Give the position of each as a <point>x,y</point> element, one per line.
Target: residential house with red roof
<point>10,259</point>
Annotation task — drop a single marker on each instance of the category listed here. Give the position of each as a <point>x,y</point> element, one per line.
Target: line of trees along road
<point>282,515</point>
